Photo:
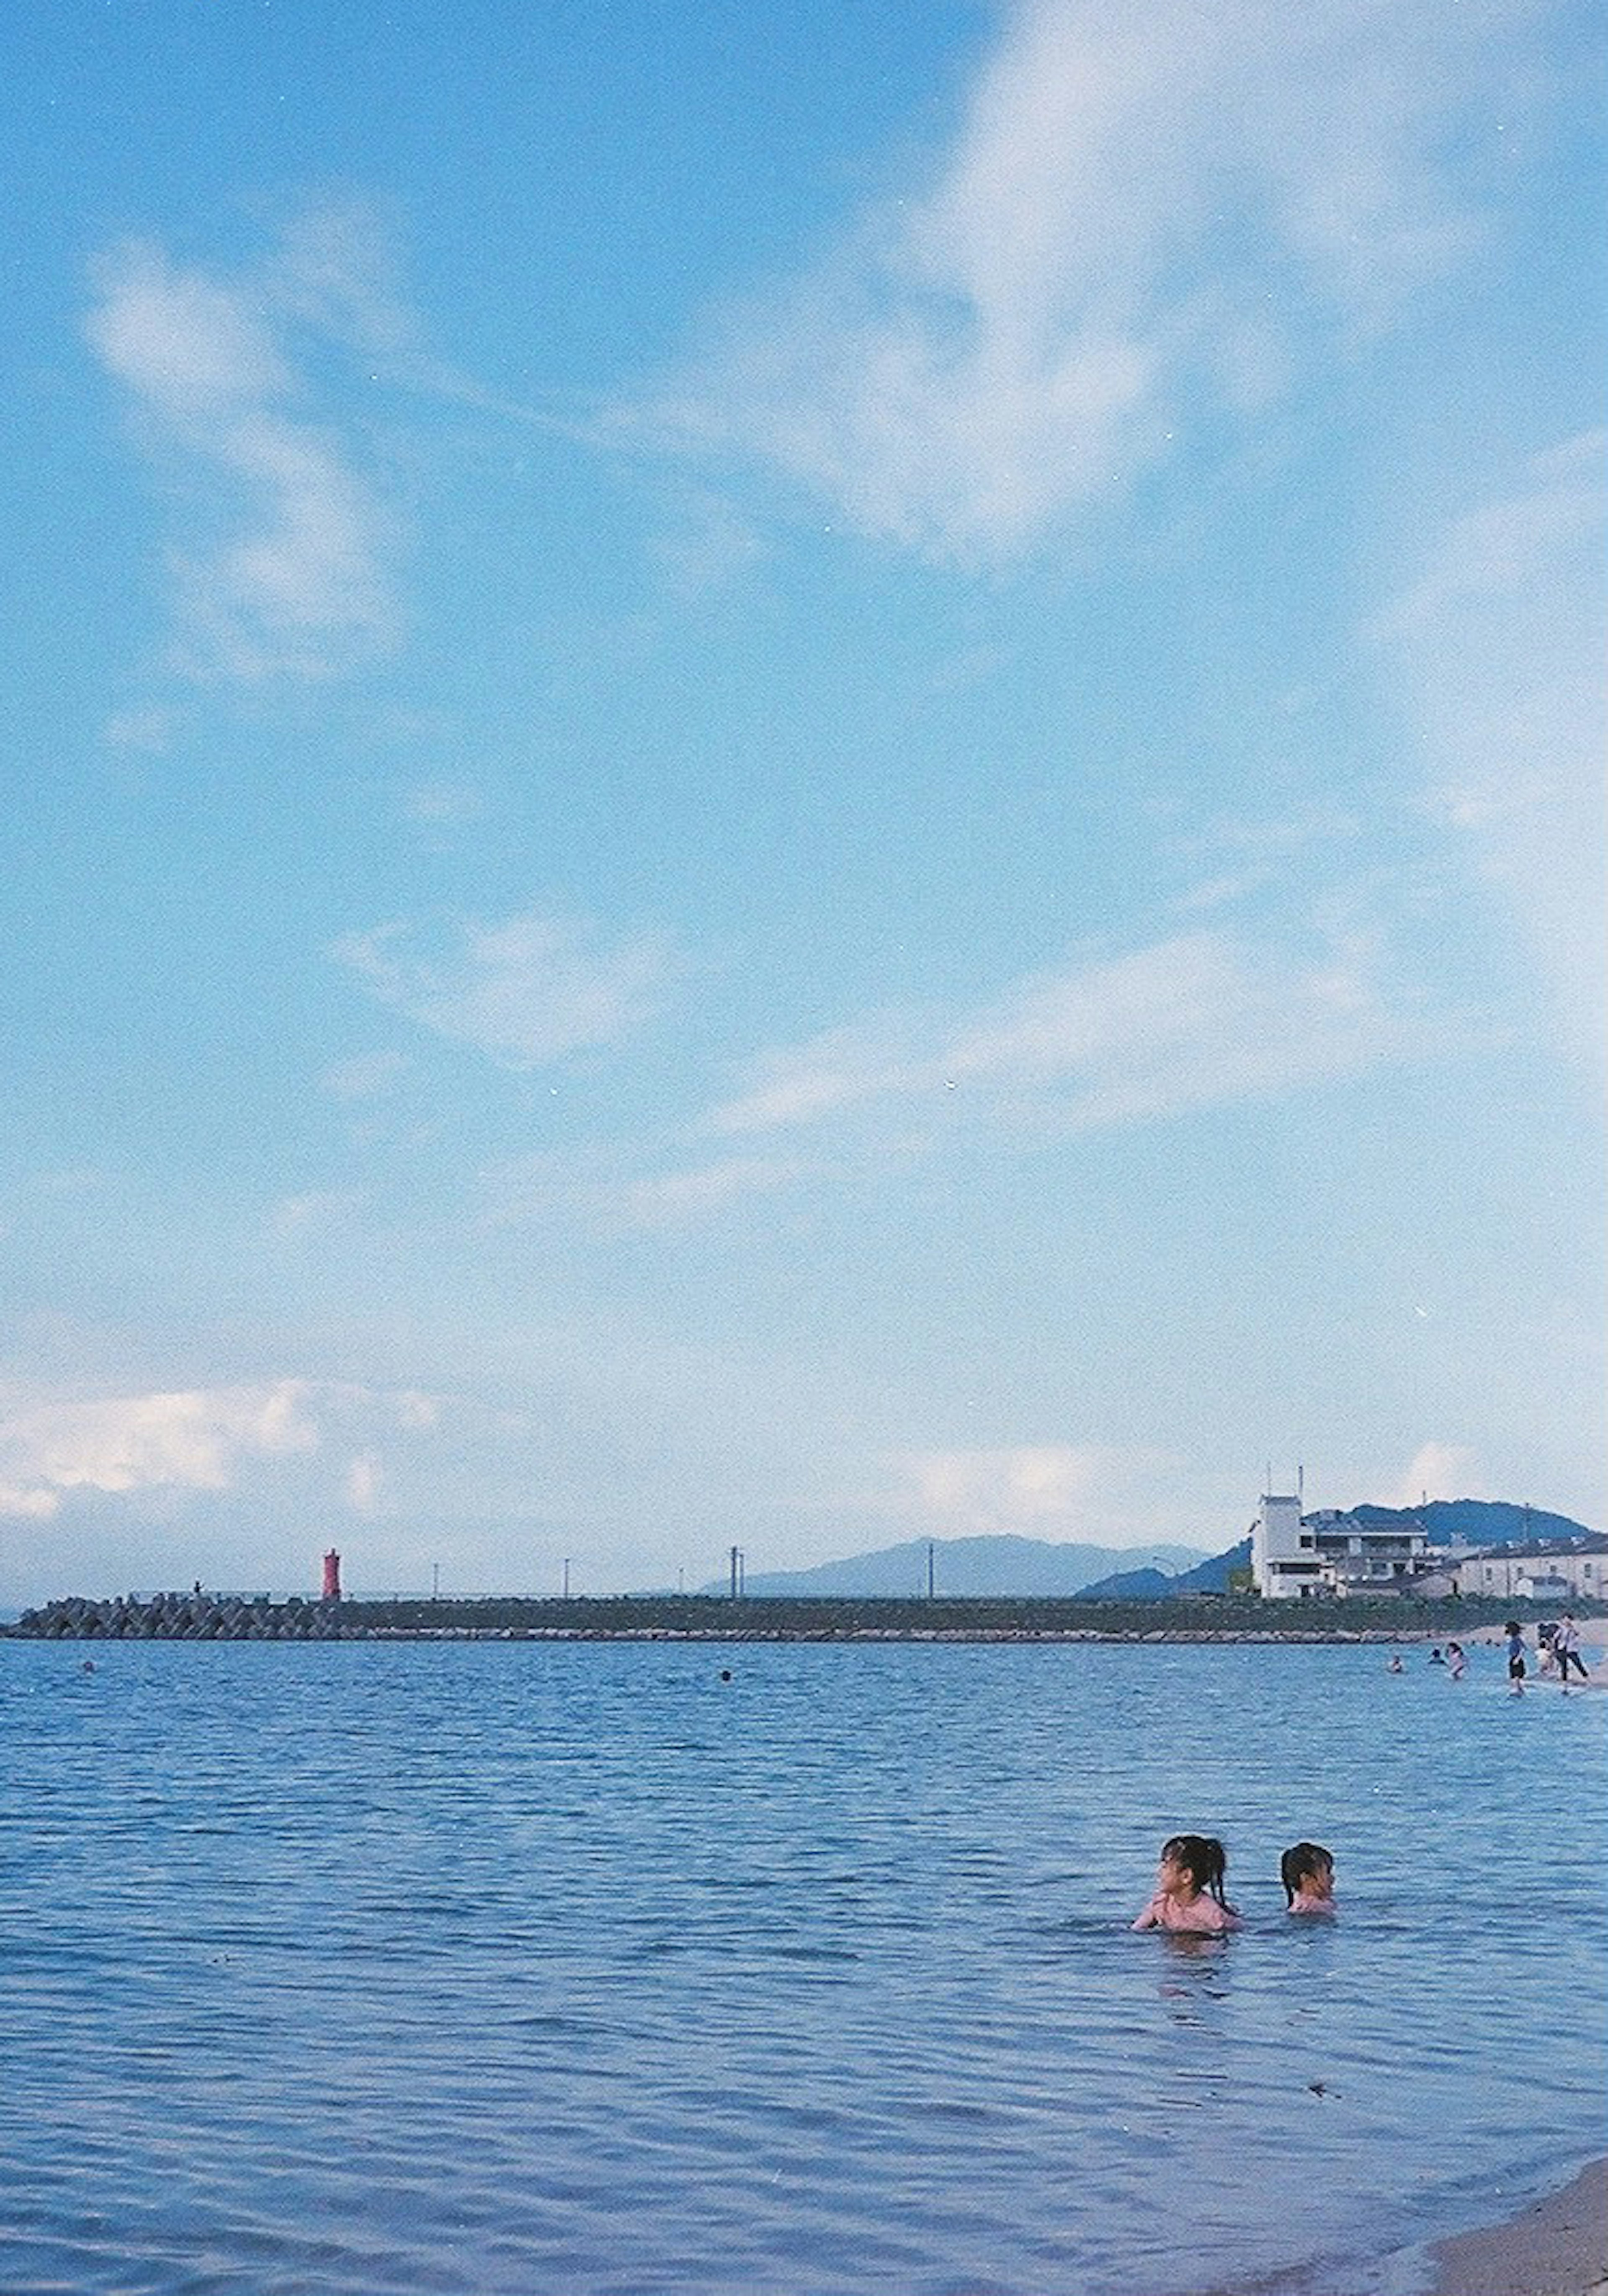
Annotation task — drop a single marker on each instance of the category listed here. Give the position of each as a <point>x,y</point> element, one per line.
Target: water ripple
<point>490,1970</point>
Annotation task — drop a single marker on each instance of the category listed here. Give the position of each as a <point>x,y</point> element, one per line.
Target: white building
<point>1541,1574</point>
<point>1295,1556</point>
<point>1284,1560</point>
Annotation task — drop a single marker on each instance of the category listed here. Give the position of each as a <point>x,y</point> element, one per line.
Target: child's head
<point>1200,1858</point>
<point>1307,1869</point>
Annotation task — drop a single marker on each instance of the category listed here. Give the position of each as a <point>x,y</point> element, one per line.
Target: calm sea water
<point>525,1967</point>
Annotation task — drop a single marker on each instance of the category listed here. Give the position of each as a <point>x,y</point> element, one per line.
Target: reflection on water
<point>516,1967</point>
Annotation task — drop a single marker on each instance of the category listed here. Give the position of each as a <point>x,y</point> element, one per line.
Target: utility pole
<point>736,1572</point>
<point>435,1582</point>
<point>930,1551</point>
<point>566,1577</point>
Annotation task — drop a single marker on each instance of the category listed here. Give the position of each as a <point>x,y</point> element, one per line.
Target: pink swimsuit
<point>1203,1916</point>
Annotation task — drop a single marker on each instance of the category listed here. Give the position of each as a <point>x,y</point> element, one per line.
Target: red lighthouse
<point>332,1577</point>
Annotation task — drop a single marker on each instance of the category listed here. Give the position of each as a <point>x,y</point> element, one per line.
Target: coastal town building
<point>1296,1556</point>
<point>1540,1574</point>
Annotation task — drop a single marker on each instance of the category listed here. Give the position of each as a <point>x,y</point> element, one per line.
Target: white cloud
<point>364,1477</point>
<point>37,1502</point>
<point>1197,1021</point>
<point>1018,337</point>
<point>1500,653</point>
<point>55,1446</point>
<point>527,992</point>
<point>281,568</point>
<point>993,1489</point>
<point>196,1438</point>
<point>1439,1470</point>
<point>1095,1492</point>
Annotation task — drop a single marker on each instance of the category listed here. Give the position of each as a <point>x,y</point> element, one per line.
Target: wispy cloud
<point>443,804</point>
<point>1498,648</point>
<point>1198,1021</point>
<point>527,991</point>
<point>366,1076</point>
<point>1202,1019</point>
<point>620,1189</point>
<point>148,732</point>
<point>314,1212</point>
<point>279,556</point>
<point>1013,339</point>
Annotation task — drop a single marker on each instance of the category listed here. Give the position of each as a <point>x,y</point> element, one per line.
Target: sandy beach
<point>1558,2247</point>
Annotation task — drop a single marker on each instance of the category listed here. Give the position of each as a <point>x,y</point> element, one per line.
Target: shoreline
<point>1557,2246</point>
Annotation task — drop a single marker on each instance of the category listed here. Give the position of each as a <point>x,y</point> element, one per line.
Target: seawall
<point>240,1617</point>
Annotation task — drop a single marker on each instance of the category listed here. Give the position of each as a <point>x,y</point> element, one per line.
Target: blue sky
<point>797,776</point>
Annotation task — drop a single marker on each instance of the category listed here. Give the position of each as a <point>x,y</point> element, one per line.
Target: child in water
<point>1307,1870</point>
<point>1515,1657</point>
<point>1189,1899</point>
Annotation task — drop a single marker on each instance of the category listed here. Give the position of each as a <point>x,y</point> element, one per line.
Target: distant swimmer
<point>1307,1870</point>
<point>1393,1665</point>
<point>1435,1657</point>
<point>1188,1898</point>
<point>1515,1657</point>
<point>1456,1660</point>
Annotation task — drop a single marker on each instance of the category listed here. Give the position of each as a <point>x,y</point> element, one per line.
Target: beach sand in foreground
<point>1557,2248</point>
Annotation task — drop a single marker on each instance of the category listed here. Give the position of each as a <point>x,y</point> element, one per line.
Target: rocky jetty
<point>187,1618</point>
<point>197,1617</point>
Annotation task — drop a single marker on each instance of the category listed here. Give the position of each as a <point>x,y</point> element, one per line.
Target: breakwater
<point>198,1616</point>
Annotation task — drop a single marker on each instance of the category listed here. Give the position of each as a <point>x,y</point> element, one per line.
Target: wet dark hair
<point>1299,1863</point>
<point>1202,1856</point>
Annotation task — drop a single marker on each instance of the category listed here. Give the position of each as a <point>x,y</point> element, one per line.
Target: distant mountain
<point>1001,1565</point>
<point>1131,1587</point>
<point>1482,1523</point>
<point>1207,1577</point>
